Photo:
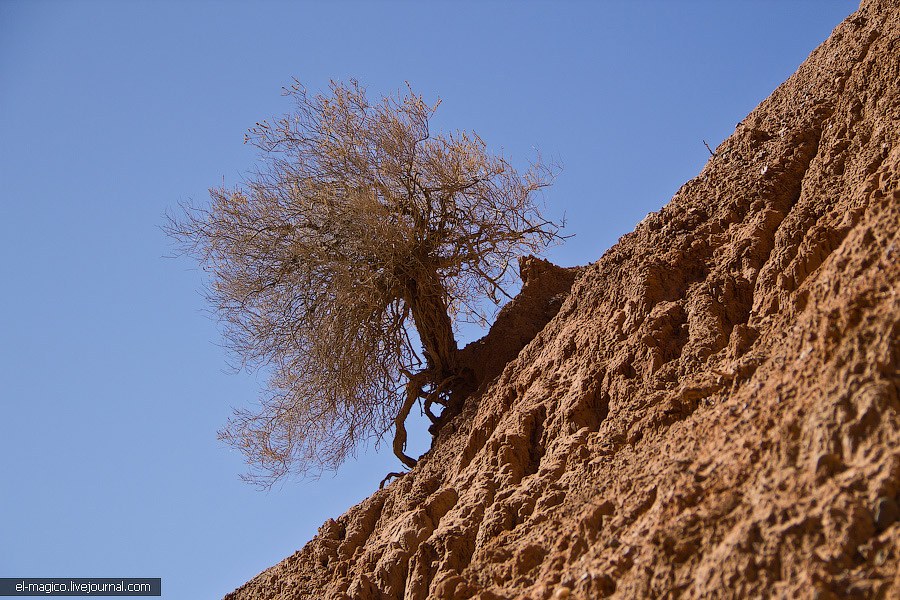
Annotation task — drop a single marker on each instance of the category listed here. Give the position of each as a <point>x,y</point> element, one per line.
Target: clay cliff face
<point>713,412</point>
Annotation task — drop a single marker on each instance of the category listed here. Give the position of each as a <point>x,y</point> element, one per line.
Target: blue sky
<point>114,382</point>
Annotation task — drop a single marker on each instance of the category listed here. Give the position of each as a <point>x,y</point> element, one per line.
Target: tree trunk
<point>427,304</point>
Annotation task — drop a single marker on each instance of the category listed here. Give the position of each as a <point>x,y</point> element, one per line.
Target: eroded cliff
<point>713,412</point>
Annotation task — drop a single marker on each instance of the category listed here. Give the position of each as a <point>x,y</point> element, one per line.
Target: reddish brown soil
<point>713,412</point>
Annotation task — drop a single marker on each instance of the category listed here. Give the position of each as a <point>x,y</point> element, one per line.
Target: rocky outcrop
<point>544,288</point>
<point>713,412</point>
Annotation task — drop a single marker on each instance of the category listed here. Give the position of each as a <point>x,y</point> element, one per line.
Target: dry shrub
<point>361,238</point>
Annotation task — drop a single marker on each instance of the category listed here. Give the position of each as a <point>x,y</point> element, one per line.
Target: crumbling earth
<point>712,413</point>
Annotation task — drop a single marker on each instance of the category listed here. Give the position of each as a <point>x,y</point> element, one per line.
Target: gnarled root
<point>415,389</point>
<point>389,476</point>
<point>413,392</point>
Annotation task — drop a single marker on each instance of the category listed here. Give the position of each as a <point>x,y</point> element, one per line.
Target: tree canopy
<point>342,263</point>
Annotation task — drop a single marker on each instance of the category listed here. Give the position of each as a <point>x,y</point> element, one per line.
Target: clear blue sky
<point>113,380</point>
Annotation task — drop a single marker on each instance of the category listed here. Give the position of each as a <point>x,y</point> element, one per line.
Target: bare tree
<point>362,238</point>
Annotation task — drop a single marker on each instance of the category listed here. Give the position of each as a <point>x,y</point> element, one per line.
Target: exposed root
<point>415,389</point>
<point>413,392</point>
<point>426,408</point>
<point>389,476</point>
